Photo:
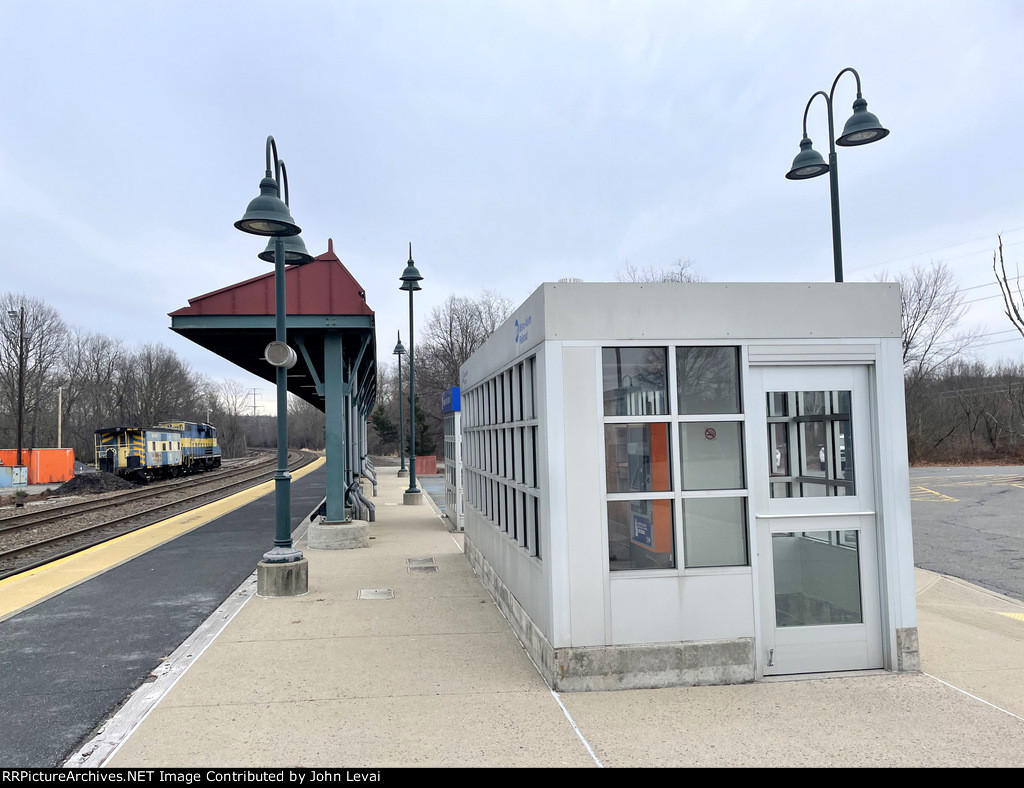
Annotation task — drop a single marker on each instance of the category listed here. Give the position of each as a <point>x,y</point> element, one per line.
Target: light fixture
<point>862,128</point>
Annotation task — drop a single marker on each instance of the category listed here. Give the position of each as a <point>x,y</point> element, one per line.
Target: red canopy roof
<point>322,287</point>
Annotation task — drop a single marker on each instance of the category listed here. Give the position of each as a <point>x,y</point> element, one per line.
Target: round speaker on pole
<point>278,354</point>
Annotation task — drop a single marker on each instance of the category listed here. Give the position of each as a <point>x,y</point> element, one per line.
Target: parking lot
<point>968,523</point>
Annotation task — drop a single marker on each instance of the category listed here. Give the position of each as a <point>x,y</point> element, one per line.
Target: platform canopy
<point>323,301</point>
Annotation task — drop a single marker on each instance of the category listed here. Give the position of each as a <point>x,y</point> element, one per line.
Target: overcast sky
<point>512,143</point>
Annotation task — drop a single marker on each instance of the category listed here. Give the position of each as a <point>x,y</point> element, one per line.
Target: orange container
<point>426,466</point>
<point>45,466</point>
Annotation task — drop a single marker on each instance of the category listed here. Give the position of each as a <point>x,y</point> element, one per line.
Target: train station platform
<point>397,657</point>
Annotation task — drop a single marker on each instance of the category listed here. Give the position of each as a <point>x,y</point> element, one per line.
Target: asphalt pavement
<point>69,661</point>
<point>968,524</point>
<point>432,675</point>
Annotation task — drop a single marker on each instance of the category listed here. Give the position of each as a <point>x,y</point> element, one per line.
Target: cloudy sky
<point>511,141</point>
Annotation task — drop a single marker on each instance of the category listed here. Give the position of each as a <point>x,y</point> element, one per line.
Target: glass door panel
<point>814,521</point>
<point>817,578</point>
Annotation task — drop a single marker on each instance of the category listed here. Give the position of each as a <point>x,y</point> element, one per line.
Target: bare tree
<point>45,334</point>
<point>1013,302</point>
<point>93,368</point>
<point>160,386</point>
<point>307,425</point>
<point>229,415</point>
<point>453,332</point>
<point>933,308</point>
<point>684,270</point>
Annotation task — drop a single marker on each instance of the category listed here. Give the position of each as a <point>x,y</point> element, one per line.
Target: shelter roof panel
<point>237,322</point>
<point>322,287</point>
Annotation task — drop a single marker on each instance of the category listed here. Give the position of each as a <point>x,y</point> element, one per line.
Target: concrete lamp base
<point>290,578</point>
<point>349,535</point>
<point>413,499</point>
<point>403,474</point>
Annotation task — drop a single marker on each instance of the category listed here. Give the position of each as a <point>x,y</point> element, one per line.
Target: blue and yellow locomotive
<point>199,449</point>
<point>166,449</point>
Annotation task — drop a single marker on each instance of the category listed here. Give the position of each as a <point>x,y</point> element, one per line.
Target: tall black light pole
<point>20,314</point>
<point>400,351</point>
<point>267,215</point>
<point>862,127</point>
<point>411,281</point>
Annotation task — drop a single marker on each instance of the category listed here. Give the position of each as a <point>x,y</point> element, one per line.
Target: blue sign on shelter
<point>450,400</point>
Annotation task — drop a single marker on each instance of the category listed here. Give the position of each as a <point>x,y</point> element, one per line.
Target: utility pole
<point>20,314</point>
<point>255,393</point>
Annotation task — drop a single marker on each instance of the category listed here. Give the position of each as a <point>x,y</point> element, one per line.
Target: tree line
<point>959,409</point>
<point>100,381</point>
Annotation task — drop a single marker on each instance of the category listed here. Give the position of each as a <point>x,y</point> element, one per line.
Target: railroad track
<point>64,537</point>
<point>22,520</point>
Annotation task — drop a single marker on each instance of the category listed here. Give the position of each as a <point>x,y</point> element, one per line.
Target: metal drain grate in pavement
<point>376,593</point>
<point>421,565</point>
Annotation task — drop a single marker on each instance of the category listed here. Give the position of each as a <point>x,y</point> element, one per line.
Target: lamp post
<point>267,215</point>
<point>20,314</point>
<point>862,127</point>
<point>411,281</point>
<point>400,351</point>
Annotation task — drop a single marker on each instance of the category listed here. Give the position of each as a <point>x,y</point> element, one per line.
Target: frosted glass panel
<point>714,532</point>
<point>712,455</point>
<point>817,578</point>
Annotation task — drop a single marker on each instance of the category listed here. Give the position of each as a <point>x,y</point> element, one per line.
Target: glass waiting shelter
<point>694,483</point>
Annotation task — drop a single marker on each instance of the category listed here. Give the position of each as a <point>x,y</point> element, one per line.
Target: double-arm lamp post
<point>268,215</point>
<point>400,351</point>
<point>411,279</point>
<point>862,127</point>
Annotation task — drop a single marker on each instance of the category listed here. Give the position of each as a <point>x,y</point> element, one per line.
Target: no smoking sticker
<point>710,434</point>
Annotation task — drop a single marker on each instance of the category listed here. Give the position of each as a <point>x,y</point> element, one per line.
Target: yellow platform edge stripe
<point>22,591</point>
<point>1015,616</point>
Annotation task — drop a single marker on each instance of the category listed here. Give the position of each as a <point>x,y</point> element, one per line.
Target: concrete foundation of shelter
<point>908,656</point>
<point>326,535</point>
<point>642,666</point>
<point>412,499</point>
<point>289,578</point>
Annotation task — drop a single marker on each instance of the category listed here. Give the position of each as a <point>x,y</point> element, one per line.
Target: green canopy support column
<point>337,531</point>
<point>349,443</point>
<point>337,458</point>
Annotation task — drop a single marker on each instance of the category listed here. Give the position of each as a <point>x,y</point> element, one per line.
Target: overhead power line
<point>942,248</point>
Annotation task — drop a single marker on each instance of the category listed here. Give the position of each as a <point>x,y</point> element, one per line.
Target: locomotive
<point>169,448</point>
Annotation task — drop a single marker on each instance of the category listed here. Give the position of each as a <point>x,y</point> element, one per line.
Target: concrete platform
<point>430,675</point>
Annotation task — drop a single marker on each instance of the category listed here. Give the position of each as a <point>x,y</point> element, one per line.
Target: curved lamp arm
<point>828,104</point>
<point>271,147</point>
<point>855,76</point>
<point>829,99</point>
<point>282,173</point>
<point>276,169</point>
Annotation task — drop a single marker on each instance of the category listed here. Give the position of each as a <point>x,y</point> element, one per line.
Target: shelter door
<point>815,520</point>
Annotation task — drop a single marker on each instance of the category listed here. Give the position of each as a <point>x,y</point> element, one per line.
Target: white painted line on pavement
<point>572,722</point>
<point>117,730</point>
<point>554,694</point>
<point>969,695</point>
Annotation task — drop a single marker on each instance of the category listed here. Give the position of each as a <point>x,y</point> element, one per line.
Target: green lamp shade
<point>862,127</point>
<point>294,251</point>
<point>410,278</point>
<point>268,214</point>
<point>807,164</point>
